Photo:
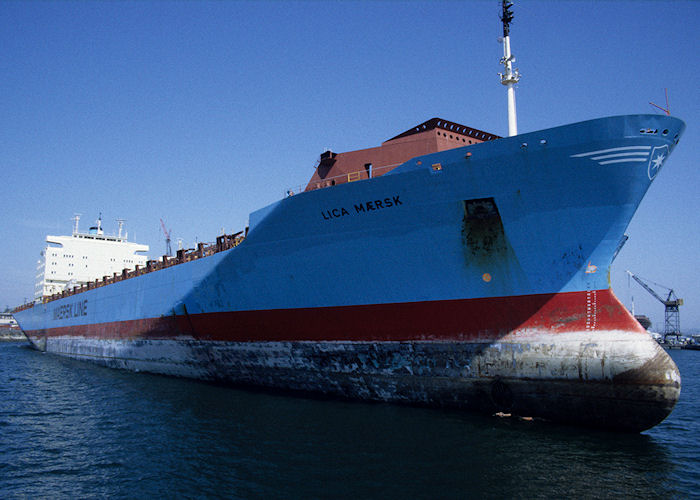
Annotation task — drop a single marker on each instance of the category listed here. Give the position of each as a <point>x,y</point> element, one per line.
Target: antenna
<point>666,110</point>
<point>121,226</point>
<point>511,76</point>
<point>76,219</point>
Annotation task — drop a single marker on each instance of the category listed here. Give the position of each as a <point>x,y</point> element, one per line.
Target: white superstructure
<point>7,321</point>
<point>69,261</point>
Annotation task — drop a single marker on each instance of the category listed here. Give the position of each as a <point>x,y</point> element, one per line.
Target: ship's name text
<point>71,310</point>
<point>359,208</point>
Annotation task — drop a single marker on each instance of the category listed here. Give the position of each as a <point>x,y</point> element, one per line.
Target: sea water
<point>71,429</point>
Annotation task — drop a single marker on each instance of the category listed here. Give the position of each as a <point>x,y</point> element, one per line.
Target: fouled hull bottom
<point>610,379</point>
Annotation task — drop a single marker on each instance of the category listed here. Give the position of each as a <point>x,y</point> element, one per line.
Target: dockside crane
<point>672,319</point>
<point>168,249</point>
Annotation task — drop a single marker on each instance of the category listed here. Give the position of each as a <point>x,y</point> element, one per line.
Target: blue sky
<point>201,112</point>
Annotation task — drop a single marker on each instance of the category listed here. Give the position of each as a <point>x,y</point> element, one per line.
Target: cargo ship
<point>9,330</point>
<point>447,267</point>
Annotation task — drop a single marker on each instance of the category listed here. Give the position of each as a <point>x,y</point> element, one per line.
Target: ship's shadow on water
<point>96,432</point>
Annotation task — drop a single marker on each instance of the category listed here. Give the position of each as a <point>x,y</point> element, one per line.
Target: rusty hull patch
<point>482,230</point>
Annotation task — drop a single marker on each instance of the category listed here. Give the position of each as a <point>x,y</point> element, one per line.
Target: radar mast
<point>510,76</point>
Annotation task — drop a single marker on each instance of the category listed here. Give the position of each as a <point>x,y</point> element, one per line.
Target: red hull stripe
<point>473,319</point>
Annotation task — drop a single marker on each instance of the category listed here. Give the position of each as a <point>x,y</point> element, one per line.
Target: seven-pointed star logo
<point>658,161</point>
<point>658,155</point>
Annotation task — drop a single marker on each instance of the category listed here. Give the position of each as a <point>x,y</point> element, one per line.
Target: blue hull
<point>491,252</point>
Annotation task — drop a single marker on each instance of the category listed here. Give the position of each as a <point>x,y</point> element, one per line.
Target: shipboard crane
<point>166,233</point>
<point>672,320</point>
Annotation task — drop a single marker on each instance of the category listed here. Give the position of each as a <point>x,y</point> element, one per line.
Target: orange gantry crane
<point>168,249</point>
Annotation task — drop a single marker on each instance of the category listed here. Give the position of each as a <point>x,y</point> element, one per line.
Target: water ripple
<point>72,429</point>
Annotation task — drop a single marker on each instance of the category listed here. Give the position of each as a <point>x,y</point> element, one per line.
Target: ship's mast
<point>511,76</point>
<point>76,219</point>
<point>121,227</point>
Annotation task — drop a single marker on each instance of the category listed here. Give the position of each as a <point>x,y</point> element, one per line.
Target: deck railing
<point>357,175</point>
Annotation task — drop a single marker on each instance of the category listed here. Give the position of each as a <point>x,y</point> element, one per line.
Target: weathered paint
<point>608,379</point>
<point>547,362</point>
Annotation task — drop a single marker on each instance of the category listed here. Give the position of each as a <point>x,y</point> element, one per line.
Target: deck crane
<point>168,249</point>
<point>672,320</point>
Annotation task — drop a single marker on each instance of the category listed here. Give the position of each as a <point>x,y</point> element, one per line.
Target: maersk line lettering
<point>71,310</point>
<point>364,207</point>
<point>378,204</point>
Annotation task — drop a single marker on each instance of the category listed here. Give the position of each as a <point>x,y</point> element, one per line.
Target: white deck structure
<point>69,261</point>
<point>7,321</point>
